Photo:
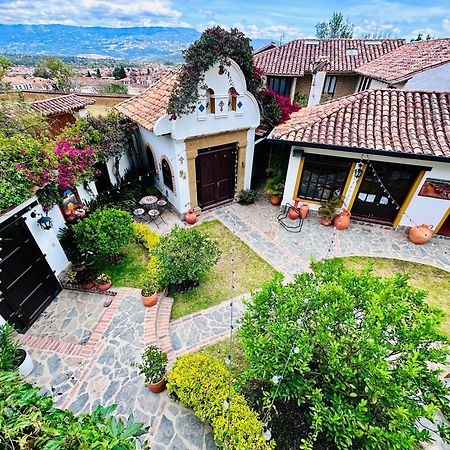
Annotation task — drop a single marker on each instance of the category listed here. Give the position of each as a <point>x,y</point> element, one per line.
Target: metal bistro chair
<point>161,206</point>
<point>139,214</point>
<point>155,217</point>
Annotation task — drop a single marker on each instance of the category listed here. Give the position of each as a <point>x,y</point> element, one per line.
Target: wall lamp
<point>358,170</point>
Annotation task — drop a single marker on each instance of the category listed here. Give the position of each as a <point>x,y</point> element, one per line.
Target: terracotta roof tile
<point>405,61</point>
<point>147,107</point>
<point>58,105</point>
<point>415,122</point>
<point>343,55</point>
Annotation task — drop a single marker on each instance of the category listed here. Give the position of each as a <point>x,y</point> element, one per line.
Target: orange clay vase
<point>342,220</point>
<point>293,213</point>
<point>304,210</point>
<point>420,234</point>
<point>190,217</point>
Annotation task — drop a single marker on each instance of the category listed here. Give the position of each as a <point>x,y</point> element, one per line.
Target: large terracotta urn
<point>420,234</point>
<point>293,213</point>
<point>342,220</point>
<point>304,210</point>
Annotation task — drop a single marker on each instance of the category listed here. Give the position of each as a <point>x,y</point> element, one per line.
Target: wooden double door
<point>216,175</point>
<point>28,283</point>
<point>373,202</point>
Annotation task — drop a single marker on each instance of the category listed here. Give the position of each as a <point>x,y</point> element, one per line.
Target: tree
<point>98,74</point>
<point>355,353</point>
<point>5,64</point>
<point>335,28</point>
<point>88,74</point>
<point>55,69</point>
<point>119,73</point>
<point>420,38</point>
<point>113,88</point>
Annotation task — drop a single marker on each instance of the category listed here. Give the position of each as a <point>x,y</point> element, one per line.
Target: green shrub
<point>9,349</point>
<point>145,236</point>
<point>200,382</point>
<point>104,233</point>
<point>365,347</point>
<point>247,197</point>
<point>185,255</point>
<point>153,365</point>
<point>152,280</point>
<point>31,421</point>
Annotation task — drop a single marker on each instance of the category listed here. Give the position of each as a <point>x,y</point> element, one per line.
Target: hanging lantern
<point>358,170</point>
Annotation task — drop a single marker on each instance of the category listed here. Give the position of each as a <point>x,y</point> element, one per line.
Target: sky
<point>276,20</point>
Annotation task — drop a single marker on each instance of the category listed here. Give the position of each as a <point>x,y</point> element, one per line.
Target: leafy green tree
<point>114,88</point>
<point>354,351</point>
<point>119,73</point>
<point>89,74</point>
<point>98,74</point>
<point>336,28</point>
<point>5,64</point>
<point>55,69</point>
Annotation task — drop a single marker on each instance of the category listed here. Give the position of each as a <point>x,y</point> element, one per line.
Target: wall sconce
<point>45,222</point>
<point>182,174</point>
<point>358,170</point>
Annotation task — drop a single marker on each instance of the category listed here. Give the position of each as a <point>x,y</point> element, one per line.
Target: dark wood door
<point>102,180</point>
<point>372,202</point>
<point>215,175</point>
<point>28,282</point>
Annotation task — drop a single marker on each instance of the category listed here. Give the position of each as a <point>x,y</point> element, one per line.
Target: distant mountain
<point>151,44</point>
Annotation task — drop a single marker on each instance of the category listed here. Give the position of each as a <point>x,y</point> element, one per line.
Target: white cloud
<point>446,24</point>
<point>376,29</point>
<point>117,13</point>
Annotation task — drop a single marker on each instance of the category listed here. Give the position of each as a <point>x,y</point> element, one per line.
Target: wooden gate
<point>28,284</point>
<point>216,176</point>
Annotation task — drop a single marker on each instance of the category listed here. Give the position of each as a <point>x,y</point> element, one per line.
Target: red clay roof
<point>59,105</point>
<point>407,60</point>
<point>385,119</point>
<point>300,56</point>
<point>146,108</point>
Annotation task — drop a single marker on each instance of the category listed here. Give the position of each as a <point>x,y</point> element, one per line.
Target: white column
<point>291,178</point>
<point>293,87</point>
<point>249,154</point>
<point>315,93</point>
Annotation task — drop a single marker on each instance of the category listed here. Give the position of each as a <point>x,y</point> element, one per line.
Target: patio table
<point>149,202</point>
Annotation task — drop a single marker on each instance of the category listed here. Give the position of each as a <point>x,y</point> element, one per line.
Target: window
<point>280,85</point>
<point>329,85</point>
<point>167,174</point>
<point>364,84</point>
<point>351,52</point>
<point>323,177</point>
<point>152,162</point>
<point>210,101</point>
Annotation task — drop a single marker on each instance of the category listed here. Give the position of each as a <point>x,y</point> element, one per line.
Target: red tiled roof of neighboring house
<point>58,105</point>
<point>407,60</point>
<point>409,122</point>
<point>343,55</point>
<point>265,48</point>
<point>146,108</point>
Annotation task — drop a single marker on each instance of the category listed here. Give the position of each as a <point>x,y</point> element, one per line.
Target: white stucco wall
<point>425,210</point>
<point>124,164</point>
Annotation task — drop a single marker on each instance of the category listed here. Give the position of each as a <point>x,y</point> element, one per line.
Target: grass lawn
<point>131,269</point>
<point>251,272</point>
<point>435,281</point>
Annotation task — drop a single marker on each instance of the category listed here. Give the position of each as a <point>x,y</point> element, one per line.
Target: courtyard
<point>83,352</point>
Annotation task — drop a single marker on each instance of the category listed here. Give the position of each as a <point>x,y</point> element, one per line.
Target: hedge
<point>145,236</point>
<point>30,421</point>
<point>200,382</point>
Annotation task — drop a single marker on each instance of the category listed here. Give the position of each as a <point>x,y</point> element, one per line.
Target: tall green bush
<point>104,233</point>
<point>30,421</point>
<point>185,255</point>
<point>200,382</point>
<point>365,348</point>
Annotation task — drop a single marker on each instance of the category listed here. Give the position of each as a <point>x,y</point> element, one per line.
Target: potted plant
<point>149,291</point>
<point>153,367</point>
<point>275,188</point>
<point>103,282</point>
<point>328,210</point>
<point>12,356</point>
<point>86,278</point>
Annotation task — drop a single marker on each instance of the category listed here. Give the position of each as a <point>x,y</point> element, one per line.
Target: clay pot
<point>87,285</point>
<point>420,234</point>
<point>158,387</point>
<point>304,210</point>
<point>103,287</point>
<point>190,217</point>
<point>325,221</point>
<point>276,199</point>
<point>293,214</point>
<point>296,201</point>
<point>342,220</point>
<point>149,301</point>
